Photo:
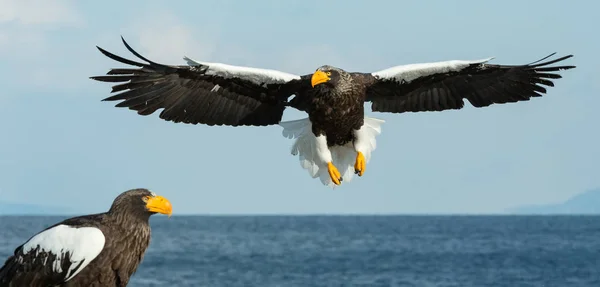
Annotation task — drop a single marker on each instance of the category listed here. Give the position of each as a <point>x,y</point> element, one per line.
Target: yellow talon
<point>334,173</point>
<point>360,165</point>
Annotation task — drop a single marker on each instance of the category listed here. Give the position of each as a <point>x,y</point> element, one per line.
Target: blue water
<point>266,251</point>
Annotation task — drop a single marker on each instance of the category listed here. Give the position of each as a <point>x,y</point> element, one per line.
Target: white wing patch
<point>408,73</point>
<point>256,75</point>
<point>83,243</point>
<point>306,148</point>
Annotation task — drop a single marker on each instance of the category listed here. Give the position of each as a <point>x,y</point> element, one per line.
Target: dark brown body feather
<point>337,113</point>
<point>126,244</point>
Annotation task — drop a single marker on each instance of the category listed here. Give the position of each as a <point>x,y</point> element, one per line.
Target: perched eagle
<point>102,249</point>
<point>336,140</point>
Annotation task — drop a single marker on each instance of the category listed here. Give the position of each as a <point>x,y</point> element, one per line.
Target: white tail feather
<point>344,157</point>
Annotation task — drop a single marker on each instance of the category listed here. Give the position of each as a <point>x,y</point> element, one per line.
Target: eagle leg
<point>324,155</point>
<point>360,165</point>
<point>335,175</point>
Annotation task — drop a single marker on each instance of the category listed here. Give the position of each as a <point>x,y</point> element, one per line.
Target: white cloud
<point>166,39</point>
<point>23,24</point>
<point>26,12</point>
<point>25,28</point>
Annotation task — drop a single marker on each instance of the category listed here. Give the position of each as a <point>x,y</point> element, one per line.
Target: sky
<point>61,146</point>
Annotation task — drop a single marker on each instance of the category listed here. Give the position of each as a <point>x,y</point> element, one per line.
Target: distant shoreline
<point>344,215</point>
<point>582,204</point>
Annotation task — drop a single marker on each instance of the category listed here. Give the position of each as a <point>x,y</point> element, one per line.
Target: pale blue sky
<point>60,145</point>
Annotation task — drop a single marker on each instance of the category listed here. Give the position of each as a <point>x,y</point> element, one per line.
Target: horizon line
<point>325,214</point>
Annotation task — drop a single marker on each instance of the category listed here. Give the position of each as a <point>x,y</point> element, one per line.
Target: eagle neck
<point>128,218</point>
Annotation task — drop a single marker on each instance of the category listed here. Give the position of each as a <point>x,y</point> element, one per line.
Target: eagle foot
<point>335,175</point>
<point>360,165</point>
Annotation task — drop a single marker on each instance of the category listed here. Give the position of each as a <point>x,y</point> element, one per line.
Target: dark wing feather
<point>481,84</point>
<point>197,95</point>
<point>35,268</point>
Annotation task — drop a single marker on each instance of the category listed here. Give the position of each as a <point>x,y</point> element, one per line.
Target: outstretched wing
<point>53,256</point>
<point>444,85</point>
<point>203,93</point>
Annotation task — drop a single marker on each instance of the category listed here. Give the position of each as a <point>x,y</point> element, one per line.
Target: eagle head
<point>327,75</point>
<point>141,202</point>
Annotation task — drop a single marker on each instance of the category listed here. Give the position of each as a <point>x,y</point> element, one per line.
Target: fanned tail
<point>344,157</point>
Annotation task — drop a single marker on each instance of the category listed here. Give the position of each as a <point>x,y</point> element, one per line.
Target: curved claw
<point>335,175</point>
<point>360,165</point>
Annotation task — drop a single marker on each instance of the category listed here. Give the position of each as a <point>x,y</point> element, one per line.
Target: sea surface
<point>465,251</point>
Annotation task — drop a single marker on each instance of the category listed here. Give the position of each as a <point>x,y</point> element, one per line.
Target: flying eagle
<point>336,140</point>
<point>102,249</point>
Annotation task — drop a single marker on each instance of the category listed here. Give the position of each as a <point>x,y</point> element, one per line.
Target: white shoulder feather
<point>256,75</point>
<point>408,73</point>
<point>82,243</point>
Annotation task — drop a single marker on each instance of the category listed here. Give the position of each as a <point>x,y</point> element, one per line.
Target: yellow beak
<point>160,205</point>
<point>319,77</point>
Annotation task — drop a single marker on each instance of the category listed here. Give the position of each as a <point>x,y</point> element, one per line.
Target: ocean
<point>462,251</point>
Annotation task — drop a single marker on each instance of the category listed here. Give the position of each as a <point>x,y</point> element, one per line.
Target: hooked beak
<point>319,77</point>
<point>160,205</point>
